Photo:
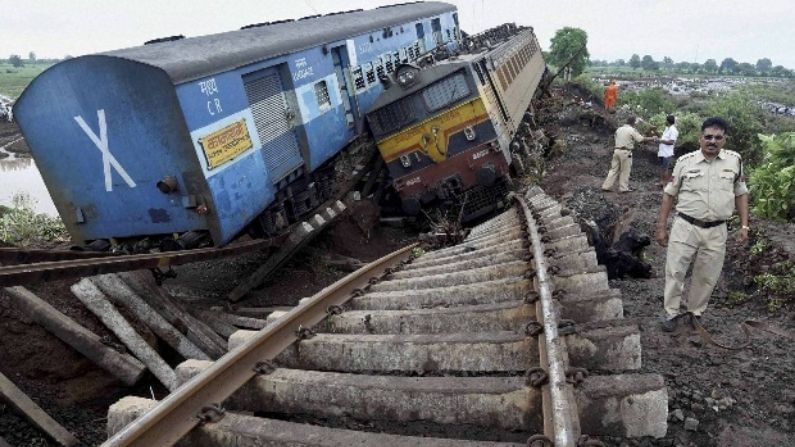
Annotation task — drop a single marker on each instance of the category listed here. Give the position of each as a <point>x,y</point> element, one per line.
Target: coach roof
<point>188,59</point>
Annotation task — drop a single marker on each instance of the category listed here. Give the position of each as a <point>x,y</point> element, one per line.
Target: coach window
<point>369,73</point>
<point>358,78</point>
<point>321,94</point>
<point>436,28</point>
<point>420,31</point>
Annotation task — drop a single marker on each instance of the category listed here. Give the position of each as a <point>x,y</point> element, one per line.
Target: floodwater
<point>20,175</point>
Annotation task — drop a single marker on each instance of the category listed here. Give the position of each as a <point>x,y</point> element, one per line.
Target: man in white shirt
<point>666,151</point>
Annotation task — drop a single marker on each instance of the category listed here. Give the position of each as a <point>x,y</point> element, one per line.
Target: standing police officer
<point>707,185</point>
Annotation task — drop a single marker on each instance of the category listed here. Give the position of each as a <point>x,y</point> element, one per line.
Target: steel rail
<point>13,255</point>
<point>173,417</point>
<point>563,424</point>
<point>50,271</point>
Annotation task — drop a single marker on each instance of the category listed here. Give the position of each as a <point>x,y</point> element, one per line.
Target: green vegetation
<point>21,226</point>
<point>710,67</point>
<point>647,102</point>
<point>736,297</point>
<point>569,45</point>
<point>14,79</point>
<point>778,284</point>
<point>773,181</point>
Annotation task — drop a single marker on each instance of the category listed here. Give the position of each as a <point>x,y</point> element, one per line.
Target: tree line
<point>18,61</point>
<point>729,66</point>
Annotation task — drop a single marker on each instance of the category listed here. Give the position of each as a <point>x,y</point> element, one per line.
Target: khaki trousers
<point>708,246</point>
<point>620,166</point>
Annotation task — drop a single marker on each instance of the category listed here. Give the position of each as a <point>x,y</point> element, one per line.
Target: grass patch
<point>21,226</point>
<point>14,79</point>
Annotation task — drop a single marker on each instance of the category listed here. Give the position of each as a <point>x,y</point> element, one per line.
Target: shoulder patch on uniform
<point>732,153</point>
<point>686,156</point>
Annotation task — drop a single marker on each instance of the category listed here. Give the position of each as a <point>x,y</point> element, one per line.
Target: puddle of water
<point>20,175</point>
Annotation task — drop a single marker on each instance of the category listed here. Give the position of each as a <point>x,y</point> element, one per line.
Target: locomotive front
<point>438,141</point>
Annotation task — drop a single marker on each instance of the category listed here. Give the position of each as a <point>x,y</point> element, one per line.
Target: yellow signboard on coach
<point>226,143</point>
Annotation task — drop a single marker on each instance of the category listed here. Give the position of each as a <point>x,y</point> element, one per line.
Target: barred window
<point>379,70</point>
<point>321,94</point>
<point>389,65</point>
<point>358,78</point>
<point>369,73</point>
<point>445,92</point>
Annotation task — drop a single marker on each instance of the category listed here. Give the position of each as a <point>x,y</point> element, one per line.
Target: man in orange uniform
<point>611,96</point>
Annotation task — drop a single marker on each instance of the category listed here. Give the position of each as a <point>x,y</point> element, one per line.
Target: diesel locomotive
<point>449,131</point>
<point>193,139</point>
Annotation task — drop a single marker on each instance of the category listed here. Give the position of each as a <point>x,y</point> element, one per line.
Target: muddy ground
<point>751,391</point>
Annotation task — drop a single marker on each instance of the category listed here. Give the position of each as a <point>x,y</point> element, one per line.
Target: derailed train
<point>449,132</point>
<point>182,140</point>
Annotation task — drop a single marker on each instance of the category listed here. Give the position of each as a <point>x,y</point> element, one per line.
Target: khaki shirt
<point>627,136</point>
<point>706,189</point>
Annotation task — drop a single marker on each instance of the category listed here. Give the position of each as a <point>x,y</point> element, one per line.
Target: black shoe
<point>670,324</point>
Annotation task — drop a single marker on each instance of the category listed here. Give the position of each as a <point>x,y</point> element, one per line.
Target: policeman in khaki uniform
<point>621,164</point>
<point>707,185</point>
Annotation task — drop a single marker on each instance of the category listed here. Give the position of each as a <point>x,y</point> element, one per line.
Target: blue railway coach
<point>208,135</point>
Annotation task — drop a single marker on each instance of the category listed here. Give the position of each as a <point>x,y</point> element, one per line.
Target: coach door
<point>274,119</point>
<point>340,66</point>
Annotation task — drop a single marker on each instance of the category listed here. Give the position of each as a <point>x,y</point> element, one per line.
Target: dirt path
<point>739,398</point>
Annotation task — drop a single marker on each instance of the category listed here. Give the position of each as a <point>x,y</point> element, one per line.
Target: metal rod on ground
<point>32,412</point>
<point>298,239</point>
<point>563,425</point>
<point>175,416</point>
<point>196,331</point>
<point>120,292</point>
<point>96,302</point>
<point>123,366</point>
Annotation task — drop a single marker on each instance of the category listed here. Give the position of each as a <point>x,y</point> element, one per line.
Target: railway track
<point>512,337</point>
<point>25,266</point>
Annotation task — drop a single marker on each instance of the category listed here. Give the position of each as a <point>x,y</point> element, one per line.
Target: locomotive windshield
<point>421,104</point>
<point>445,92</point>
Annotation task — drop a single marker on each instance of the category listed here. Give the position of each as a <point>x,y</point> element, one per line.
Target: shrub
<point>20,225</point>
<point>745,121</point>
<point>648,102</point>
<point>773,182</point>
<point>778,284</point>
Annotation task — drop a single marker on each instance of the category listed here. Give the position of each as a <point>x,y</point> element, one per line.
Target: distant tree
<point>710,66</point>
<point>15,60</point>
<point>32,57</point>
<point>619,62</point>
<point>695,67</point>
<point>634,61</point>
<point>683,66</point>
<point>67,57</point>
<point>746,69</point>
<point>668,62</point>
<point>567,44</point>
<point>728,65</point>
<point>764,65</point>
<point>647,62</point>
<point>778,71</point>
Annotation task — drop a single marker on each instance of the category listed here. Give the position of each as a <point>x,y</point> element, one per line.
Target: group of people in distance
<point>706,186</point>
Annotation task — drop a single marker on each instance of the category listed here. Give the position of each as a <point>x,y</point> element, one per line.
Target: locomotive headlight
<point>470,134</point>
<point>405,161</point>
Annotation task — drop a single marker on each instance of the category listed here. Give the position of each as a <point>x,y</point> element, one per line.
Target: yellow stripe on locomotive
<point>432,137</point>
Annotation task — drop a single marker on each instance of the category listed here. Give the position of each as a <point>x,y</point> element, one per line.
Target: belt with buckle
<point>701,223</point>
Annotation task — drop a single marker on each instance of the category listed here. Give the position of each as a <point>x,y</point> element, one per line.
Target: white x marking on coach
<point>101,142</point>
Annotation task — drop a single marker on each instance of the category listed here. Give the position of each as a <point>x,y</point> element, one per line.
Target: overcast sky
<point>691,30</point>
